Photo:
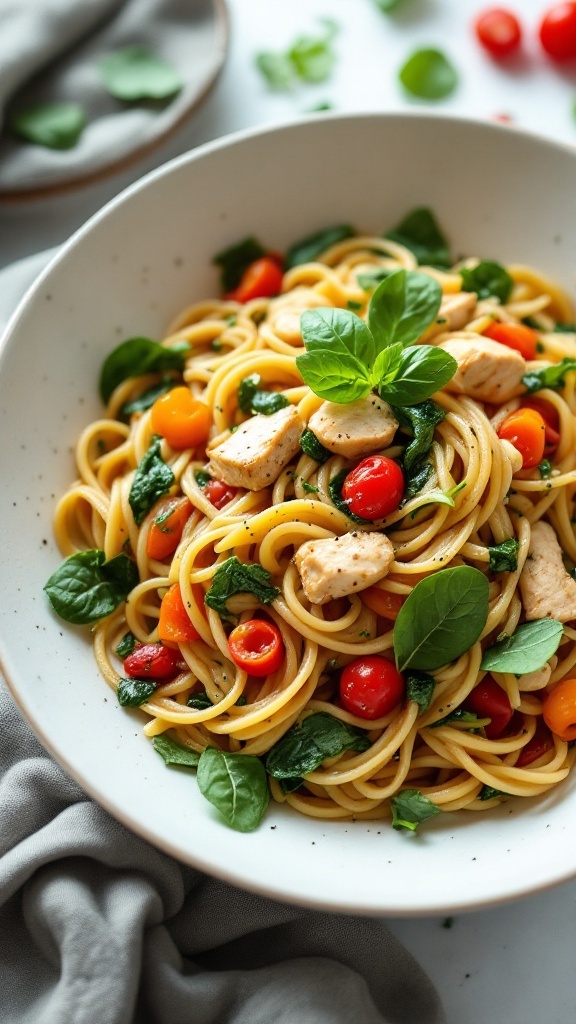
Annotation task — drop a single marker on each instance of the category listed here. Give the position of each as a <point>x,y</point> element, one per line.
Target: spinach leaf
<point>370,278</point>
<point>429,75</point>
<point>53,125</point>
<point>86,588</point>
<point>339,353</point>
<point>175,753</point>
<point>133,692</point>
<point>135,73</point>
<point>290,785</point>
<point>237,786</point>
<point>504,557</point>
<point>420,689</point>
<point>459,715</point>
<point>234,260</point>
<point>126,645</point>
<point>252,399</point>
<point>152,479</point>
<point>312,447</point>
<point>549,376</point>
<point>304,747</point>
<point>488,793</point>
<point>309,249</point>
<point>527,650</point>
<point>419,231</point>
<point>422,420</point>
<point>137,356</point>
<point>202,478</point>
<point>235,577</point>
<point>486,279</point>
<point>410,808</point>
<point>416,478</point>
<point>404,304</point>
<point>199,701</point>
<point>147,398</point>
<point>422,370</point>
<point>335,492</point>
<point>441,619</point>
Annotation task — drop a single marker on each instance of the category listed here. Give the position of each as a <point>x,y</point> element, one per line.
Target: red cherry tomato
<point>262,279</point>
<point>488,700</point>
<point>371,687</point>
<point>153,661</point>
<point>257,647</point>
<point>538,745</point>
<point>558,32</point>
<point>549,414</point>
<point>219,493</point>
<point>374,488</point>
<point>517,336</point>
<point>499,32</point>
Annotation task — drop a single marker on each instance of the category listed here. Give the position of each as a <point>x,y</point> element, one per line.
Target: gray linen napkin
<point>49,51</point>
<point>98,927</point>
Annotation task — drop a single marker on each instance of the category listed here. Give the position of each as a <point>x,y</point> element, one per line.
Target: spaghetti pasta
<point>471,500</point>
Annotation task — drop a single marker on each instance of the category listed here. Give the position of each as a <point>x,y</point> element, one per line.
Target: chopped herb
<point>429,75</point>
<point>448,922</point>
<point>133,692</point>
<point>152,479</point>
<point>235,577</point>
<point>199,701</point>
<point>370,278</point>
<point>460,715</point>
<point>488,793</point>
<point>564,328</point>
<point>312,447</point>
<point>319,108</point>
<point>416,479</point>
<point>235,260</point>
<point>487,278</point>
<point>410,808</point>
<point>252,399</point>
<point>53,125</point>
<point>504,557</point>
<point>545,469</point>
<point>308,488</point>
<point>354,306</point>
<point>419,231</point>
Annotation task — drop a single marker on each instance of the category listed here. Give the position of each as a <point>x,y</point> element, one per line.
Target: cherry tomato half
<point>262,279</point>
<point>374,488</point>
<point>488,700</point>
<point>181,419</point>
<point>174,624</point>
<point>219,493</point>
<point>538,745</point>
<point>257,647</point>
<point>526,430</point>
<point>498,31</point>
<point>153,661</point>
<point>558,31</point>
<point>371,687</point>
<point>166,528</point>
<point>559,710</point>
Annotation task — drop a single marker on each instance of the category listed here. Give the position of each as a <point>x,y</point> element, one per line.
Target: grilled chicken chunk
<point>547,590</point>
<point>254,455</point>
<point>335,567</point>
<point>355,429</point>
<point>487,370</point>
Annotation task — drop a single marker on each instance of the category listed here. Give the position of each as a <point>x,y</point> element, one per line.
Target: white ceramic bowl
<point>498,193</point>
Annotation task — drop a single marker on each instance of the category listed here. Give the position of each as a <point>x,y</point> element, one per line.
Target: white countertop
<point>512,964</point>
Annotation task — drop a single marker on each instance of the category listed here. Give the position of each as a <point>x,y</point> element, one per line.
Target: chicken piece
<point>547,590</point>
<point>255,454</point>
<point>335,567</point>
<point>355,429</point>
<point>537,680</point>
<point>487,370</point>
<point>457,310</point>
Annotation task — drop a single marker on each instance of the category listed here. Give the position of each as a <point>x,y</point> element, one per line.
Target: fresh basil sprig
<point>410,808</point>
<point>86,587</point>
<point>526,650</point>
<point>441,619</point>
<point>152,479</point>
<point>548,376</point>
<point>236,784</point>
<point>235,577</point>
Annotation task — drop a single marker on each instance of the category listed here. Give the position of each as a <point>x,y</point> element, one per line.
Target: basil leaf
<point>370,278</point>
<point>304,747</point>
<point>410,808</point>
<point>387,364</point>
<point>420,689</point>
<point>419,231</point>
<point>312,447</point>
<point>126,645</point>
<point>147,398</point>
<point>202,478</point>
<point>429,75</point>
<point>504,557</point>
<point>276,68</point>
<point>137,356</point>
<point>388,5</point>
<point>175,753</point>
<point>527,650</point>
<point>416,478</point>
<point>235,260</point>
<point>423,370</point>
<point>339,353</point>
<point>199,701</point>
<point>335,492</point>
<point>152,479</point>
<point>236,785</point>
<point>135,73</point>
<point>235,577</point>
<point>86,588</point>
<point>422,420</point>
<point>402,307</point>
<point>486,279</point>
<point>545,469</point>
<point>309,59</point>
<point>53,125</point>
<point>488,793</point>
<point>441,619</point>
<point>459,715</point>
<point>252,399</point>
<point>133,692</point>
<point>309,249</point>
<point>549,376</point>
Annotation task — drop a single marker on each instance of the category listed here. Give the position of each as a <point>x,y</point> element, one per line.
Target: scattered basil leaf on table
<point>312,447</point>
<point>153,478</point>
<point>410,808</point>
<point>135,73</point>
<point>304,747</point>
<point>175,753</point>
<point>429,75</point>
<point>335,492</point>
<point>253,399</point>
<point>420,689</point>
<point>526,650</point>
<point>548,376</point>
<point>236,785</point>
<point>503,557</point>
<point>137,356</point>
<point>133,692</point>
<point>235,577</point>
<point>86,587</point>
<point>308,249</point>
<point>235,260</point>
<point>53,125</point>
<point>441,619</point>
<point>309,59</point>
<point>420,232</point>
<point>487,278</point>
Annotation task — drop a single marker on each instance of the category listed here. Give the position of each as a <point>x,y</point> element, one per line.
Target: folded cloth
<point>98,927</point>
<point>49,51</point>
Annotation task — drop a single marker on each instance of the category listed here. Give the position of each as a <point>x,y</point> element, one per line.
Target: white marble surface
<point>507,965</point>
